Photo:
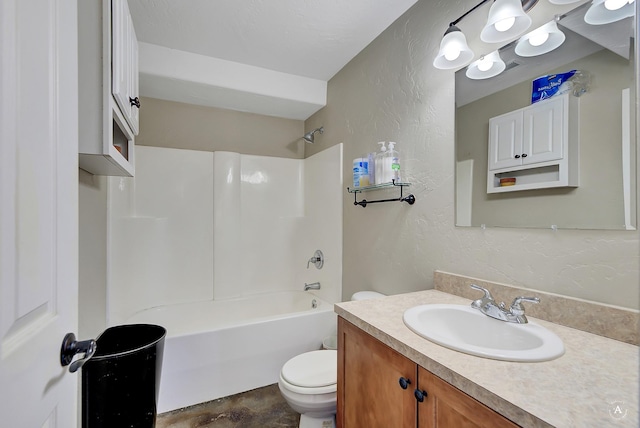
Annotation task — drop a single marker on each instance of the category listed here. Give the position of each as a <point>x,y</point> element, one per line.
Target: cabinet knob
<point>135,101</point>
<point>420,395</point>
<point>404,382</point>
<point>524,155</point>
<point>517,156</point>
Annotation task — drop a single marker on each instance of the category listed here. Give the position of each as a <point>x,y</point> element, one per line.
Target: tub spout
<point>312,286</point>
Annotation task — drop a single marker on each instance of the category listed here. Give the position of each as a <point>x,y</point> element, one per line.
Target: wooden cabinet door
<point>369,393</point>
<point>447,407</point>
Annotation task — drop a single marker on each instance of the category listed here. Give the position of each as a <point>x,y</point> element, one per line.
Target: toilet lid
<point>367,295</point>
<point>312,369</point>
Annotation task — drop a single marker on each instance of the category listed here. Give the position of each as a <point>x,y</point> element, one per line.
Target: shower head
<point>308,137</point>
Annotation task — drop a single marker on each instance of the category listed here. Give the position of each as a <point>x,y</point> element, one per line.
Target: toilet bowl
<point>308,382</point>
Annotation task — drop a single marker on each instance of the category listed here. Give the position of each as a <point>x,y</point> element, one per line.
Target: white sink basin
<point>467,330</point>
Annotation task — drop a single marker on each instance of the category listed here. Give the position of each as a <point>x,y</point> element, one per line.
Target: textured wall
<point>391,91</point>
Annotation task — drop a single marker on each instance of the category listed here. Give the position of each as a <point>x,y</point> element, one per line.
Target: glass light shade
<point>528,44</point>
<point>501,13</point>
<point>454,50</point>
<point>598,14</point>
<point>563,1</point>
<point>614,4</point>
<point>488,66</point>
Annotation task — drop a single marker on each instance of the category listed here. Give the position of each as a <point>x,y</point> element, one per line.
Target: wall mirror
<point>605,197</point>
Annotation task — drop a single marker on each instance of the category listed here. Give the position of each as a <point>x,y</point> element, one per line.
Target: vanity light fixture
<point>563,1</point>
<point>541,40</point>
<point>487,66</point>
<point>507,19</point>
<point>607,11</point>
<point>454,50</point>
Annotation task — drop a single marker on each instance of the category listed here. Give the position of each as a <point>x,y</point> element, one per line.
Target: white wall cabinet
<point>108,79</point>
<point>537,145</point>
<point>125,63</point>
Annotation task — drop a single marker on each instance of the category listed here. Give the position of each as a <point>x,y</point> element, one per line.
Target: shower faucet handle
<point>317,260</point>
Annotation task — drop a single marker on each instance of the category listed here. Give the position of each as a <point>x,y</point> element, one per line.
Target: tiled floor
<point>259,408</point>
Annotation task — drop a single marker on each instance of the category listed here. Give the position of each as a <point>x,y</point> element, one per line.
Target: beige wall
<point>185,126</point>
<point>391,91</point>
<point>598,202</point>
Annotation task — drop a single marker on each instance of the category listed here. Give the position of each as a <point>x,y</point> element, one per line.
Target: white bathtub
<point>218,348</point>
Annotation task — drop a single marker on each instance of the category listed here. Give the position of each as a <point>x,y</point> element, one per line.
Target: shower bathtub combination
<point>213,246</point>
<point>214,349</point>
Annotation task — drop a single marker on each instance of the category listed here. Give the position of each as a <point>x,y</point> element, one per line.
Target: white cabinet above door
<point>108,81</point>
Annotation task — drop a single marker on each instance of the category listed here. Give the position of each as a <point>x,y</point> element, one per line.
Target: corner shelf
<point>410,199</point>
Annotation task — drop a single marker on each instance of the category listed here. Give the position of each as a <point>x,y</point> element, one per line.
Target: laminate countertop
<point>594,384</point>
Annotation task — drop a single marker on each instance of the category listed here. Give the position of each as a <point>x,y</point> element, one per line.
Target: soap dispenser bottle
<point>393,162</point>
<point>379,164</point>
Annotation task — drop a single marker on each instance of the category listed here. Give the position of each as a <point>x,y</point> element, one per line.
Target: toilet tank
<point>366,295</point>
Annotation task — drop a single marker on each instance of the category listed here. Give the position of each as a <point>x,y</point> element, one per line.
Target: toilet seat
<point>313,372</point>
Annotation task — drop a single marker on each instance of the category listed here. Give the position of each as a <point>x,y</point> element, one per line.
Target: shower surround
<point>193,226</point>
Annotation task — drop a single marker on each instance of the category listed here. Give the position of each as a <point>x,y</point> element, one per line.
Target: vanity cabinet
<point>537,145</point>
<point>379,387</point>
<point>108,82</point>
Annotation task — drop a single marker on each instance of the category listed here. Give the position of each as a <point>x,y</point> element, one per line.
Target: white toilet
<point>308,382</point>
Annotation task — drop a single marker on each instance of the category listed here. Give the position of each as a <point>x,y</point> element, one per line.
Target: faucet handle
<point>477,304</point>
<point>487,293</point>
<point>517,309</point>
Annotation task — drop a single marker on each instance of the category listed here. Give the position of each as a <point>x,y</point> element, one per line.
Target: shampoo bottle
<point>360,172</point>
<point>393,159</point>
<point>379,162</point>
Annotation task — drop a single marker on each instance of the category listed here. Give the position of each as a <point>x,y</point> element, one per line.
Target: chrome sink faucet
<point>489,307</point>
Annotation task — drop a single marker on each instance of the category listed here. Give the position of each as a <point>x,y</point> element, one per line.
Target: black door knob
<point>404,382</point>
<point>524,155</point>
<point>420,395</point>
<point>135,101</point>
<point>517,156</point>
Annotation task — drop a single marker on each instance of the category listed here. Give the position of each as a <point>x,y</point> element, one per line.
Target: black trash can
<point>120,383</point>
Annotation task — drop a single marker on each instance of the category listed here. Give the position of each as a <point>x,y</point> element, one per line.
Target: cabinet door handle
<point>404,382</point>
<point>420,395</point>
<point>135,101</point>
<point>524,155</point>
<point>518,156</point>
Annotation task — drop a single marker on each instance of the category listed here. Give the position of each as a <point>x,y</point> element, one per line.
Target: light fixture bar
<point>468,12</point>
<point>526,5</point>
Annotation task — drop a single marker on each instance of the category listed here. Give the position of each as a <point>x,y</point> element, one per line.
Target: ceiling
<point>305,41</point>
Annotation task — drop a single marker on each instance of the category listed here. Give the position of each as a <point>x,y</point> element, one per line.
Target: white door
<point>38,211</point>
<point>544,130</point>
<point>505,140</point>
